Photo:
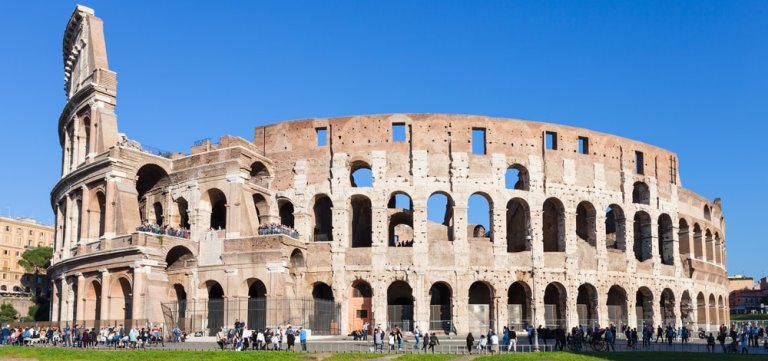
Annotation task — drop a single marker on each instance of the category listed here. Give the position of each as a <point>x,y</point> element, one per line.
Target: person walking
<point>512,339</point>
<point>470,342</point>
<point>303,338</point>
<point>433,341</point>
<point>426,342</point>
<point>609,339</point>
<point>417,336</point>
<point>710,343</point>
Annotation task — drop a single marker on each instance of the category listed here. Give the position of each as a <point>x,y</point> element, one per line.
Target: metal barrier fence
<point>208,316</point>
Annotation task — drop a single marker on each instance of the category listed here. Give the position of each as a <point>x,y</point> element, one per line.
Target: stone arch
<point>121,300</point>
<point>586,226</point>
<point>98,213</point>
<point>324,313</point>
<point>286,212</point>
<point>686,309</point>
<point>683,237</point>
<point>400,306</point>
<point>698,246</point>
<point>179,257</point>
<point>701,310</point>
<point>615,228</point>
<point>151,178</point>
<point>516,177</point>
<point>709,246</point>
<point>480,203</point>
<point>217,201</point>
<point>216,306</point>
<point>518,225</point>
<point>667,307</point>
<point>617,306</point>
<point>718,249</point>
<point>481,306</point>
<point>260,174</point>
<point>88,146</point>
<point>553,225</point>
<point>257,304</point>
<point>92,303</point>
<point>707,213</point>
<point>362,221</point>
<point>359,304</point>
<point>182,209</point>
<point>555,305</point>
<point>666,233</point>
<point>440,225</point>
<point>440,307</point>
<point>644,307</point>
<point>641,194</point>
<point>179,294</point>
<point>297,259</point>
<point>712,311</point>
<point>721,310</point>
<point>262,207</point>
<point>322,211</point>
<point>400,219</point>
<point>643,237</point>
<point>519,305</point>
<point>360,174</point>
<point>586,305</point>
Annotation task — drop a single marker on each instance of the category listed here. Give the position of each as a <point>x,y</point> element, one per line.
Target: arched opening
<point>615,228</point>
<point>518,226</point>
<point>682,236</point>
<point>218,209</point>
<point>182,207</point>
<point>361,175</point>
<point>262,208</point>
<point>121,301</point>
<point>362,221</point>
<point>181,301</point>
<point>641,194</point>
<point>516,177</point>
<point>360,305</point>
<point>586,227</point>
<point>323,230</point>
<point>707,213</point>
<point>92,305</point>
<point>586,305</point>
<point>257,304</point>
<point>553,226</point>
<point>480,217</point>
<point>519,305</point>
<point>710,246</point>
<point>440,304</point>
<point>686,309</point>
<point>179,257</point>
<point>78,219</point>
<point>286,212</point>
<point>324,315</point>
<point>481,310</point>
<point>698,246</point>
<point>666,240</point>
<point>644,307</point>
<point>215,307</point>
<point>97,215</point>
<point>667,307</point>
<point>400,216</point>
<point>158,208</point>
<point>718,249</point>
<point>643,247</point>
<point>297,259</point>
<point>260,175</point>
<point>555,305</point>
<point>713,321</point>
<point>87,131</point>
<point>150,181</point>
<point>440,217</point>
<point>617,307</point>
<point>701,310</point>
<point>399,306</point>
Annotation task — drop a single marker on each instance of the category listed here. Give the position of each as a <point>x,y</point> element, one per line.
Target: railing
<point>276,230</point>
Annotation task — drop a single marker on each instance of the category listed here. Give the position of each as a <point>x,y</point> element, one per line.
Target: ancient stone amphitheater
<point>454,223</point>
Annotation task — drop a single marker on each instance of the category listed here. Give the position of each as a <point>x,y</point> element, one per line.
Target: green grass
<point>426,357</point>
<point>749,317</point>
<point>618,356</point>
<point>354,356</point>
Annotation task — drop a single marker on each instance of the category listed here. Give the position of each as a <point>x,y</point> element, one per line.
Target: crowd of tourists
<point>242,338</point>
<point>274,228</point>
<point>180,232</point>
<point>86,337</point>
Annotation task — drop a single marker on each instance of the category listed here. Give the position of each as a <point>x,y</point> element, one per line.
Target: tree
<point>36,260</point>
<point>8,314</point>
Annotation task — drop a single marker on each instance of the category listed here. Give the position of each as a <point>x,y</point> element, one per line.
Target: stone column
<point>105,289</point>
<point>80,298</point>
<point>460,242</point>
<point>234,199</point>
<point>499,234</point>
<point>53,313</point>
<point>69,301</point>
<point>67,236</point>
<point>380,242</point>
<point>138,295</point>
<point>85,215</point>
<point>420,241</point>
<point>110,214</point>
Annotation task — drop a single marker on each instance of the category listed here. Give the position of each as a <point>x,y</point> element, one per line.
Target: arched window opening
<point>400,215</point>
<point>323,230</point>
<point>121,300</point>
<point>683,237</point>
<point>181,301</point>
<point>92,305</point>
<point>286,213</point>
<point>553,226</point>
<point>158,208</point>
<point>440,303</point>
<point>182,207</point>
<point>710,246</point>
<point>151,179</point>
<point>667,307</point>
<point>257,304</point>
<point>262,208</point>
<point>518,226</point>
<point>718,249</point>
<point>361,175</point>
<point>481,310</point>
<point>519,305</point>
<point>78,229</point>
<point>643,247</point>
<point>555,305</point>
<point>218,202</point>
<point>698,246</point>
<point>179,257</point>
<point>586,227</point>
<point>644,307</point>
<point>400,306</point>
<point>516,177</point>
<point>480,217</point>
<point>686,309</point>
<point>666,240</point>
<point>617,307</point>
<point>87,131</point>
<point>260,174</point>
<point>713,321</point>
<point>707,213</point>
<point>615,228</point>
<point>641,194</point>
<point>362,221</point>
<point>297,259</point>
<point>99,219</point>
<point>586,305</point>
<point>440,217</point>
<point>701,309</point>
<point>215,307</point>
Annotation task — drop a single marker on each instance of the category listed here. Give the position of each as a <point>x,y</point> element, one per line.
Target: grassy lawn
<point>749,317</point>
<point>51,354</point>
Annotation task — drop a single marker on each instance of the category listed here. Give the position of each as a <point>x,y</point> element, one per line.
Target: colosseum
<point>454,223</point>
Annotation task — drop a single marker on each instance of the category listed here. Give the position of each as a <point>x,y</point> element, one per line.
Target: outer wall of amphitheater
<point>582,227</point>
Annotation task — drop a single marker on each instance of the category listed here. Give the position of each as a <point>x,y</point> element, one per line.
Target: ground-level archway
<point>440,304</point>
<point>400,306</point>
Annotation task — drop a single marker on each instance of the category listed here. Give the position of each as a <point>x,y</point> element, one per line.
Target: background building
<point>328,223</point>
<point>17,286</point>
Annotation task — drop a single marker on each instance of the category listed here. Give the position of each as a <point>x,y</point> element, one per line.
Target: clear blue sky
<point>688,76</point>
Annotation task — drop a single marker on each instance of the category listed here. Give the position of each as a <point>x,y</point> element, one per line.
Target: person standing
<point>417,336</point>
<point>470,342</point>
<point>366,325</point>
<point>433,341</point>
<point>512,339</point>
<point>303,338</point>
<point>426,342</point>
<point>290,338</point>
<point>494,342</point>
<point>378,339</point>
<point>609,339</point>
<point>710,343</point>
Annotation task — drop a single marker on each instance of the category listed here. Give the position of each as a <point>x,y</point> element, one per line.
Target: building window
<point>7,228</point>
<point>31,232</point>
<point>398,132</point>
<point>362,313</point>
<point>478,140</point>
<point>550,140</point>
<point>583,145</point>
<point>639,169</point>
<point>322,136</point>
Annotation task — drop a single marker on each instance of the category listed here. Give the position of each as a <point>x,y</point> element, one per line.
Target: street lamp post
<point>529,239</point>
